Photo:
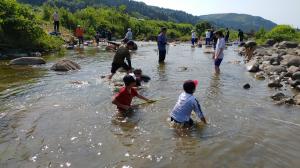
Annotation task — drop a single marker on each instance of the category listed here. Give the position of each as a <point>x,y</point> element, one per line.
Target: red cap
<point>196,82</point>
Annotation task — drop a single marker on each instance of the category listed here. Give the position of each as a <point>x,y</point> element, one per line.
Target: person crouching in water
<point>220,47</point>
<point>124,98</point>
<point>119,58</point>
<point>186,103</point>
<point>140,77</point>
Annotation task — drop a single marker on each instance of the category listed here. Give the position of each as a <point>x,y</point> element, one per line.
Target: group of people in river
<point>187,102</point>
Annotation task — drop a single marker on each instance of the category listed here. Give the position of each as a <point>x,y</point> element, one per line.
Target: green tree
<point>202,27</point>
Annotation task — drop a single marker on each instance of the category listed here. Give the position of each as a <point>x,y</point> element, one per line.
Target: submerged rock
<point>65,65</point>
<point>295,61</point>
<point>297,99</point>
<point>260,76</point>
<point>247,86</point>
<point>27,61</point>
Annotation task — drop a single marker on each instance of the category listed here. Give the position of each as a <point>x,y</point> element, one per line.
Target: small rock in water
<point>260,76</point>
<point>278,96</point>
<point>247,86</point>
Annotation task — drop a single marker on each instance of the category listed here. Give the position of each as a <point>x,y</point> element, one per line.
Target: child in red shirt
<point>123,99</point>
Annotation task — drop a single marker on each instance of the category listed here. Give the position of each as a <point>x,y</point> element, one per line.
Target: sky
<point>278,11</point>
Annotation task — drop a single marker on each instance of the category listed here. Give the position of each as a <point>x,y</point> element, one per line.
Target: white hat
<point>129,29</point>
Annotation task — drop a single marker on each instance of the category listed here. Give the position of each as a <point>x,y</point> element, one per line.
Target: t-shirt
<point>186,103</point>
<point>79,32</point>
<point>121,54</point>
<point>124,97</point>
<point>161,42</point>
<point>55,17</point>
<point>220,44</point>
<point>193,35</point>
<point>129,35</point>
<point>207,34</point>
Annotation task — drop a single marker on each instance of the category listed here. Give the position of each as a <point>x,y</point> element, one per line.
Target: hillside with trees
<point>143,11</point>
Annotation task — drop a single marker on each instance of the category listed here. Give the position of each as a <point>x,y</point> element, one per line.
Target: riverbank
<point>280,64</point>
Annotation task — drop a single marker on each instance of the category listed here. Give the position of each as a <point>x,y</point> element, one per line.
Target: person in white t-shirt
<point>219,52</point>
<point>207,37</point>
<point>193,37</point>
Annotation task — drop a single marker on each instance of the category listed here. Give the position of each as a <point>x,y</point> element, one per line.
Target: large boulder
<point>288,44</point>
<point>27,61</point>
<point>253,66</point>
<point>270,42</point>
<point>295,61</point>
<point>296,76</point>
<point>250,44</point>
<point>65,65</point>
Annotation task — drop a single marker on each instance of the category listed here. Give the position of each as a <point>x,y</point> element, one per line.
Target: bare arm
<point>143,98</point>
<point>218,53</point>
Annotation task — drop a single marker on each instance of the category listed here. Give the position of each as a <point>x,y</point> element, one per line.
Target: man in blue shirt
<point>161,43</point>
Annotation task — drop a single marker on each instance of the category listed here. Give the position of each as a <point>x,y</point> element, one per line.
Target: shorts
<point>115,67</point>
<point>218,62</point>
<point>186,123</point>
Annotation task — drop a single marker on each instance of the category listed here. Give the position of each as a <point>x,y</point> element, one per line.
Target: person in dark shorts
<point>97,38</point>
<point>162,43</point>
<point>119,58</point>
<point>220,47</point>
<point>241,35</point>
<point>227,35</point>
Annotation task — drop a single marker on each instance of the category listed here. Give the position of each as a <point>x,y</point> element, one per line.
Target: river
<point>47,119</point>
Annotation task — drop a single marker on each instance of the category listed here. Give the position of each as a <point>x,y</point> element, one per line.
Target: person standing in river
<point>162,43</point>
<point>227,35</point>
<point>219,52</point>
<point>128,36</point>
<point>56,22</point>
<point>119,58</point>
<point>241,35</point>
<point>193,38</point>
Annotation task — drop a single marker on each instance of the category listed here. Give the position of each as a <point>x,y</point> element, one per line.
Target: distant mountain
<point>142,10</point>
<point>239,21</point>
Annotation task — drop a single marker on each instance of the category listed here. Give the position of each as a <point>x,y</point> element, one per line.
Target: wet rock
<point>260,76</point>
<point>250,44</point>
<point>275,84</point>
<point>274,69</point>
<point>27,61</point>
<point>294,83</point>
<point>297,99</point>
<point>295,61</point>
<point>296,76</point>
<point>35,54</point>
<point>292,69</point>
<point>17,55</point>
<point>288,44</point>
<point>281,53</point>
<point>247,86</point>
<point>241,51</point>
<point>65,65</point>
<point>253,66</point>
<point>242,44</point>
<point>278,96</point>
<point>270,42</point>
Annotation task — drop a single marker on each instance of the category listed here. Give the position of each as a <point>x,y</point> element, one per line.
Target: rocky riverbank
<point>279,63</point>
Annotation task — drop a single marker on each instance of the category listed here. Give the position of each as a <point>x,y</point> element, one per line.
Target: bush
<point>282,33</point>
<point>19,28</point>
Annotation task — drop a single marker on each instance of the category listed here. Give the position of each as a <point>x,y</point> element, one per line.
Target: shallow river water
<point>47,119</point>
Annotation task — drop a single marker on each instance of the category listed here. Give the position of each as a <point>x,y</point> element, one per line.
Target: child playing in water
<point>140,77</point>
<point>219,52</point>
<point>181,113</point>
<point>123,99</point>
